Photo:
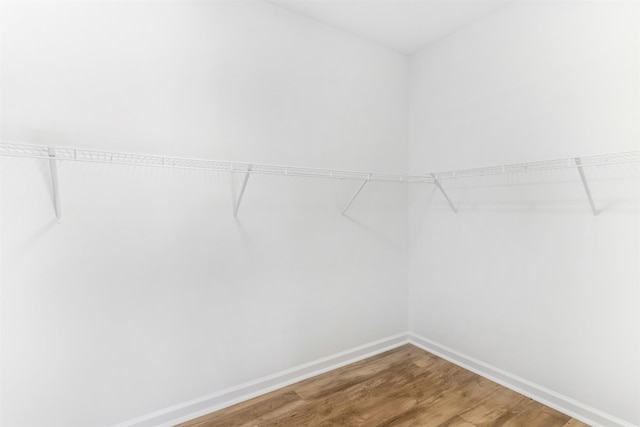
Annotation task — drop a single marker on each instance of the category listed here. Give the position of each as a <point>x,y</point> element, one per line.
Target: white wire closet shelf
<point>111,157</point>
<point>55,154</point>
<point>546,165</point>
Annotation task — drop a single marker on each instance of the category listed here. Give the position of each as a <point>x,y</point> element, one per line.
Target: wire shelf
<point>98,156</point>
<point>542,166</point>
<point>520,169</point>
<point>512,172</point>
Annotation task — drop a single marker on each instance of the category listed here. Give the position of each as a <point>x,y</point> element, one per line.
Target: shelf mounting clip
<point>437,184</point>
<point>344,211</point>
<point>236,205</point>
<point>585,184</point>
<point>53,166</point>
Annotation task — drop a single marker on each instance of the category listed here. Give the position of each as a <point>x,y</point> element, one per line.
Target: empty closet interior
<point>203,201</point>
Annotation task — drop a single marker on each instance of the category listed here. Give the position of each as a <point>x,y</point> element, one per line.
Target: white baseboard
<point>564,404</point>
<point>203,405</point>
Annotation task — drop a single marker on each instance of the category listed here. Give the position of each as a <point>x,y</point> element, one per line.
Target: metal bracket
<point>437,183</point>
<point>236,206</point>
<point>585,184</point>
<point>344,211</point>
<point>53,165</point>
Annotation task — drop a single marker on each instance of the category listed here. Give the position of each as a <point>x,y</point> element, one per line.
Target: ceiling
<point>402,25</point>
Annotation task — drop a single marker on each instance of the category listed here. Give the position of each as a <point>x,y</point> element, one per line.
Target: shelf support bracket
<point>53,165</point>
<point>437,183</point>
<point>585,184</point>
<point>344,211</point>
<point>236,206</point>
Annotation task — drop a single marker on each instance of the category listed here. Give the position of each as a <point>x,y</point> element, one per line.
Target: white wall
<point>149,293</point>
<point>524,278</point>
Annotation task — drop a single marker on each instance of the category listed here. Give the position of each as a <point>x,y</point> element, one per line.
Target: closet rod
<point>98,156</point>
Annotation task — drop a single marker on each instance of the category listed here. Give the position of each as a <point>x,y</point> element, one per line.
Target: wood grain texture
<point>404,387</point>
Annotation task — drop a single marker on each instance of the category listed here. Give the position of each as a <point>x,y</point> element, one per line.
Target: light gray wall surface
<point>149,293</point>
<point>524,277</point>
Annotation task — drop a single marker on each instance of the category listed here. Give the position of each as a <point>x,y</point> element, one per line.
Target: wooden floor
<point>402,387</point>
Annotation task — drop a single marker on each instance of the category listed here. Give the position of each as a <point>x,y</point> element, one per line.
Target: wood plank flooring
<point>404,387</point>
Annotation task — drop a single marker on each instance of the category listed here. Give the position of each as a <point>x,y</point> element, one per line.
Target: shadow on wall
<point>549,207</point>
